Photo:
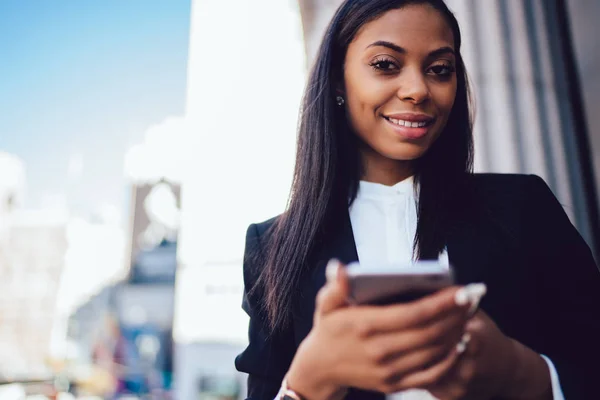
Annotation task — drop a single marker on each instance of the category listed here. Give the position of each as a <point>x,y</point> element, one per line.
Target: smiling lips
<point>410,126</point>
<point>402,122</point>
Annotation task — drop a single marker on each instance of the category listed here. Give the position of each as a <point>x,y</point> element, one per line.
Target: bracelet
<point>285,393</point>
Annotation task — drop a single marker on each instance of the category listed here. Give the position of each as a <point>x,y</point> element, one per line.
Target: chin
<point>405,152</point>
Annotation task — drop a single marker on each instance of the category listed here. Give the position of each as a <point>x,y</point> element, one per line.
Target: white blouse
<point>384,224</point>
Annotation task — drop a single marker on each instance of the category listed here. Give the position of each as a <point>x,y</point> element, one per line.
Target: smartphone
<point>389,284</point>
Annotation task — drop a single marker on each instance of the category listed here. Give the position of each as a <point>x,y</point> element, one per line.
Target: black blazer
<point>543,286</point>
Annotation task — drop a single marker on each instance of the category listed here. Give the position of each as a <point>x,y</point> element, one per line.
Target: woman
<point>383,174</point>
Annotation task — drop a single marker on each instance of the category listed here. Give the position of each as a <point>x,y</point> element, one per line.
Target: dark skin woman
<point>388,99</point>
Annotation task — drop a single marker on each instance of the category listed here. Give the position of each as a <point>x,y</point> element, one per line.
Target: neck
<point>386,171</point>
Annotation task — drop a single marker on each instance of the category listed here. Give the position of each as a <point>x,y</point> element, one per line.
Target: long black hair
<point>328,165</point>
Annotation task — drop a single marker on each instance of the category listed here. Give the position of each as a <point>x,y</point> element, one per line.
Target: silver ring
<point>461,347</point>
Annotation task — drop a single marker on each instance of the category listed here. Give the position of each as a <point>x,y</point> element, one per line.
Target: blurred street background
<point>139,138</point>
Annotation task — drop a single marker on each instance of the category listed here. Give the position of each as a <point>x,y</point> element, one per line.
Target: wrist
<point>310,385</point>
<point>528,376</point>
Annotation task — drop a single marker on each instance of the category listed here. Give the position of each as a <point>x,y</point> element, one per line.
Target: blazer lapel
<point>481,251</point>
<point>467,253</point>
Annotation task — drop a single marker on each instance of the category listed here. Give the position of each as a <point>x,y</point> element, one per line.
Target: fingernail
<point>461,346</point>
<point>461,297</point>
<point>470,294</point>
<point>476,292</point>
<point>331,270</point>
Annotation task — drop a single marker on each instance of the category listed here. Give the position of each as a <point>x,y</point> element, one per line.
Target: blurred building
<point>144,302</point>
<point>12,183</point>
<point>92,324</point>
<point>32,264</point>
<point>51,263</point>
<point>124,332</point>
<point>12,187</point>
<point>32,258</point>
<point>92,336</point>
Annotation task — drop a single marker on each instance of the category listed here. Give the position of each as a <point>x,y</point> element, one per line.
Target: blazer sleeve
<point>269,354</point>
<point>569,294</point>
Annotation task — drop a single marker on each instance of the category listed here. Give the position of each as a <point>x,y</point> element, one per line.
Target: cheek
<point>364,94</point>
<point>362,100</point>
<point>444,98</point>
<point>362,107</point>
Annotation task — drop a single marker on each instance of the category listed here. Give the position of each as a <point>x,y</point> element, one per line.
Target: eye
<point>384,64</point>
<point>442,70</point>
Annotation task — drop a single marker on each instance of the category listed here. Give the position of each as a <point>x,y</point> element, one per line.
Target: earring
<point>340,100</point>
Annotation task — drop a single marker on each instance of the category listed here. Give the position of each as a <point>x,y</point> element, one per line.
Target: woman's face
<point>400,85</point>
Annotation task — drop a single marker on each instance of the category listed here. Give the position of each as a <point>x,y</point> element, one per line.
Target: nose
<point>412,86</point>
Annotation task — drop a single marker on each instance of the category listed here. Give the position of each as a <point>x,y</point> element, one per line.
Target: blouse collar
<point>378,190</point>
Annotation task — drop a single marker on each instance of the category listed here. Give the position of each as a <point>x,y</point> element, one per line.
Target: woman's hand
<point>383,348</point>
<point>494,366</point>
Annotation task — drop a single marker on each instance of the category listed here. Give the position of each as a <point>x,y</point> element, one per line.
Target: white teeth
<point>407,123</point>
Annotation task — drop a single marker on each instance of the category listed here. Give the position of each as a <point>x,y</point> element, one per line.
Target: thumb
<point>334,294</point>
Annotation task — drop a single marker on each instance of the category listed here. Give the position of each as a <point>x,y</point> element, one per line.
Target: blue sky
<point>86,78</point>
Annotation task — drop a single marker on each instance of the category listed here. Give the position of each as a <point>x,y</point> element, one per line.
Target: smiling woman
<point>383,176</point>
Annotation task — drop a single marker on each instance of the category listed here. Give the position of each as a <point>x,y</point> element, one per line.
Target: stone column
<point>525,120</point>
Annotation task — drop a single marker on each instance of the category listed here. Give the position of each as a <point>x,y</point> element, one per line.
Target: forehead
<point>414,27</point>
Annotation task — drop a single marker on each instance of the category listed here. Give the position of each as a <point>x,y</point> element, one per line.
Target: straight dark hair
<point>328,165</point>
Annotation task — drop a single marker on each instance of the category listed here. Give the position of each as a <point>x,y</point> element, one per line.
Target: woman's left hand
<point>494,365</point>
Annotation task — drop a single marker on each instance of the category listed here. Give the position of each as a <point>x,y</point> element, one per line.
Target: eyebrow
<point>398,49</point>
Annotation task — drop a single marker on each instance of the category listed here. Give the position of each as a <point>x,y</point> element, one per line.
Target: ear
<point>340,90</point>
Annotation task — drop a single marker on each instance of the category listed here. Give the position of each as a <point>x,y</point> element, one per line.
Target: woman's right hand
<point>383,348</point>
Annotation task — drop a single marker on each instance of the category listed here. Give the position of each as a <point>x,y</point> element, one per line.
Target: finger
<point>474,295</point>
<point>448,390</point>
<point>479,321</point>
<point>446,331</point>
<point>430,376</point>
<point>475,329</point>
<point>335,292</point>
<point>396,317</point>
<point>444,388</point>
<point>419,359</point>
<point>456,383</point>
